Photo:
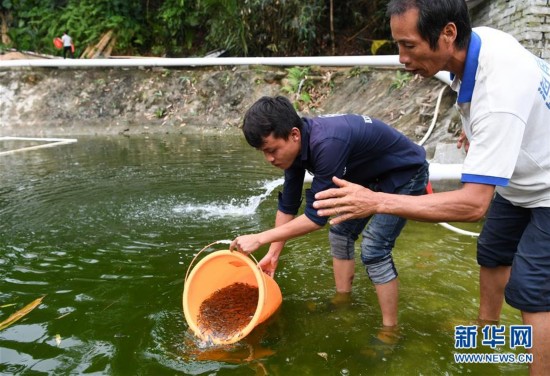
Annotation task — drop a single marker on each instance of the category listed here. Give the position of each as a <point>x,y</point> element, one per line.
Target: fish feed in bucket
<point>226,295</point>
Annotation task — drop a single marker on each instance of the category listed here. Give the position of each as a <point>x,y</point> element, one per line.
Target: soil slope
<point>67,101</point>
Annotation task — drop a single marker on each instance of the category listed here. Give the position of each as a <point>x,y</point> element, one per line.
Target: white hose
<point>434,119</point>
<point>458,230</point>
<point>421,142</point>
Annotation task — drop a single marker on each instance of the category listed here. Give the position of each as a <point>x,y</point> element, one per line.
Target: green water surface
<point>105,229</point>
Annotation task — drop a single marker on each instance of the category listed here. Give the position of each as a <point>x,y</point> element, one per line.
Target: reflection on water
<point>105,229</point>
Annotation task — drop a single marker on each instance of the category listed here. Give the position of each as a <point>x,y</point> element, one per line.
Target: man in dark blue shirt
<point>358,148</point>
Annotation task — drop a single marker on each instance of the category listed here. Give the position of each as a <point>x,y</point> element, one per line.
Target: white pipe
<point>50,143</point>
<point>378,60</point>
<point>332,61</point>
<point>438,172</point>
<point>44,139</point>
<point>445,171</point>
<point>444,76</point>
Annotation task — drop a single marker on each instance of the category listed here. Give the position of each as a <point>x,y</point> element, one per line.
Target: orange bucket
<point>219,270</point>
<point>58,43</point>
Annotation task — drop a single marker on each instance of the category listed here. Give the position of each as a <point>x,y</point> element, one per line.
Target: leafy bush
<point>193,27</point>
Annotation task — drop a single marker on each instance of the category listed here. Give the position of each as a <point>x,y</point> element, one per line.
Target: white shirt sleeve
<point>495,143</point>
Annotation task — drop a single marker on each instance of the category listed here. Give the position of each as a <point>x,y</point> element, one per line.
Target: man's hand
<point>463,141</point>
<point>349,201</point>
<point>269,264</point>
<point>246,243</point>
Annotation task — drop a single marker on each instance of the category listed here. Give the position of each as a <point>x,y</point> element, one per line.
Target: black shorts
<point>519,237</point>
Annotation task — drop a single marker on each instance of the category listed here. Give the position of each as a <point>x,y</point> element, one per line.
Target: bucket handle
<point>204,249</point>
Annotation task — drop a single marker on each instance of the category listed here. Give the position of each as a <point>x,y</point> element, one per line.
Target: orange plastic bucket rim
<point>265,284</point>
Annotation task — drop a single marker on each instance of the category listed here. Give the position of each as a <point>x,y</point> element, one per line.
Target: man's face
<point>281,153</point>
<point>415,52</point>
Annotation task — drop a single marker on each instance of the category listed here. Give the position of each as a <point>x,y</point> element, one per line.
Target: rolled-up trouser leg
<point>377,245</point>
<point>342,243</point>
<point>342,238</point>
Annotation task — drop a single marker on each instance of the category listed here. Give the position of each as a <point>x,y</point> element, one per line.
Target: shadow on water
<point>106,227</point>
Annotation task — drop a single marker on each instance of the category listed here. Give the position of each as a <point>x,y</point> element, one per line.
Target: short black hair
<point>270,115</point>
<point>434,15</point>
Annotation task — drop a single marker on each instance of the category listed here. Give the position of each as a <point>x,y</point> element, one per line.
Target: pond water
<point>104,229</point>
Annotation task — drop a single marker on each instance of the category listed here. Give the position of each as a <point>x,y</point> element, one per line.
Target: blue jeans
<point>379,234</point>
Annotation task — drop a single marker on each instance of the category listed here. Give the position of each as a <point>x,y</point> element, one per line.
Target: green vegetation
<point>307,86</point>
<point>298,83</point>
<point>177,28</point>
<point>400,80</point>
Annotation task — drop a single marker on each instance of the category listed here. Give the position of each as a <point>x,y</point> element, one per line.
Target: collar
<point>305,131</point>
<point>468,81</point>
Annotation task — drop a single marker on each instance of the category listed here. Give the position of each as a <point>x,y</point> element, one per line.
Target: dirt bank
<point>67,101</point>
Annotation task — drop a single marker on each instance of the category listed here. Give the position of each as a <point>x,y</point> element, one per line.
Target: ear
<point>449,33</point>
<point>295,134</point>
